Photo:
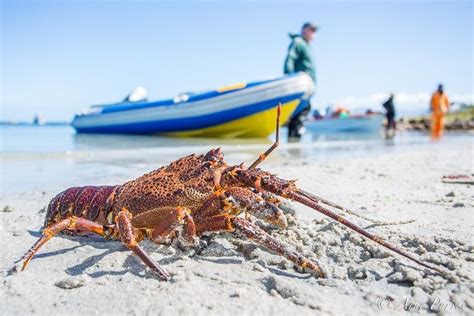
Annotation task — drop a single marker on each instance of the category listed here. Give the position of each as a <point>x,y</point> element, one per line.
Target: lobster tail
<point>89,202</point>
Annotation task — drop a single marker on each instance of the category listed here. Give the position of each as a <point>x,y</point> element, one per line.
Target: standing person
<point>390,114</point>
<point>299,59</point>
<point>439,107</point>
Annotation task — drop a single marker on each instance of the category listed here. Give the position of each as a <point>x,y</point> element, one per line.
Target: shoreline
<point>219,279</point>
<point>461,121</point>
<point>53,170</point>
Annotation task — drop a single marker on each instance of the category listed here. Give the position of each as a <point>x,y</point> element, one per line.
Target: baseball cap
<point>312,26</point>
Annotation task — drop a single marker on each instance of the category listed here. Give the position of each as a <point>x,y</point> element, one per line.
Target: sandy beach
<point>399,194</point>
<point>371,103</point>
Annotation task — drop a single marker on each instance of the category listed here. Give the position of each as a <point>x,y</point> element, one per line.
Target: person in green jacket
<point>299,59</point>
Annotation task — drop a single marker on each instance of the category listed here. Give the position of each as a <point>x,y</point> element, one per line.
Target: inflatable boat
<point>240,110</point>
<point>369,123</point>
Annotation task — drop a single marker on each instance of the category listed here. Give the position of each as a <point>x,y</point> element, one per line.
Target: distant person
<point>328,111</point>
<point>299,59</point>
<point>317,115</point>
<point>439,107</point>
<point>340,112</point>
<point>390,115</point>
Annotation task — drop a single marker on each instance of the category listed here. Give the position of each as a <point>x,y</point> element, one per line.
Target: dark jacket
<point>299,57</point>
<point>389,107</point>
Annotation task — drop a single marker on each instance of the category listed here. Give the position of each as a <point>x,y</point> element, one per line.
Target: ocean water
<point>45,158</point>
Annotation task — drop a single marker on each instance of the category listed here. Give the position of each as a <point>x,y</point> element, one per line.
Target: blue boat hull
<point>225,112</point>
<point>365,124</point>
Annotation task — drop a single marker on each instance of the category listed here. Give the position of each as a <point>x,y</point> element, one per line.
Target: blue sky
<point>58,57</point>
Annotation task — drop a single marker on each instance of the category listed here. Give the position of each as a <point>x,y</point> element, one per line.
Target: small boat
<point>240,110</point>
<point>367,123</point>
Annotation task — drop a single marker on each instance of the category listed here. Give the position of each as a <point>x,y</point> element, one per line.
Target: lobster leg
<point>128,238</point>
<point>179,216</point>
<point>237,199</point>
<point>253,232</point>
<point>256,205</point>
<point>70,223</point>
<point>189,229</point>
<point>160,223</point>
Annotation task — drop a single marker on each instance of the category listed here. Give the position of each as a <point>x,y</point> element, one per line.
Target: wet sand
<point>229,275</point>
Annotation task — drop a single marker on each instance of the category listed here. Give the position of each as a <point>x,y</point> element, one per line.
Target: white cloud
<point>467,98</point>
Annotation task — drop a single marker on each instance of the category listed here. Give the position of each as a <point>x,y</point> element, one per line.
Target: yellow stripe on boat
<point>260,124</point>
<point>236,86</point>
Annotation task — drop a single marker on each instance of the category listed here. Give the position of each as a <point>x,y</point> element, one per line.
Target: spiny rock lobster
<point>191,196</point>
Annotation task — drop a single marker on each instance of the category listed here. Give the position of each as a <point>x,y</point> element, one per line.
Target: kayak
<point>368,123</point>
<point>239,110</point>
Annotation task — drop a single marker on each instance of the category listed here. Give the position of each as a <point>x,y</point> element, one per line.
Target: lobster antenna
<point>313,203</point>
<point>264,156</point>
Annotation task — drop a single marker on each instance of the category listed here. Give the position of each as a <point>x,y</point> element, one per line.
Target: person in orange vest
<point>439,107</point>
